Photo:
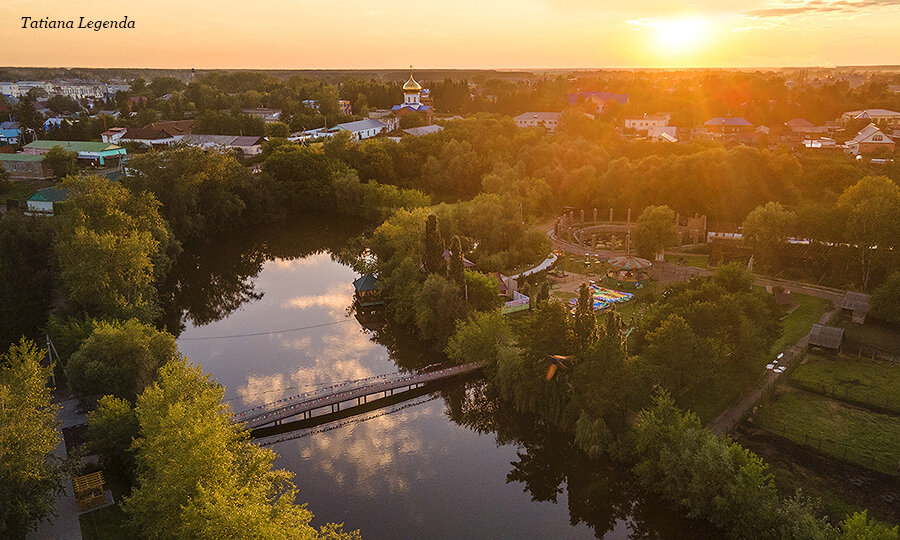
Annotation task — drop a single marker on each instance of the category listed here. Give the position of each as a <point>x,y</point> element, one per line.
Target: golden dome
<point>411,85</point>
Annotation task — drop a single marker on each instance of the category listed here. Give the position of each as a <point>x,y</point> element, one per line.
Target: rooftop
<point>74,146</point>
<point>22,157</point>
<point>727,121</point>
<point>360,125</point>
<point>50,194</point>
<point>539,116</point>
<point>424,130</point>
<point>829,337</point>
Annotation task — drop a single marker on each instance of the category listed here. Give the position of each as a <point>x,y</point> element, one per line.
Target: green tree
<point>886,300</point>
<point>26,275</point>
<point>30,476</point>
<point>481,338</point>
<point>119,358</point>
<point>482,292</point>
<point>439,304</point>
<point>28,116</point>
<point>277,129</point>
<point>433,256</point>
<point>5,177</point>
<point>654,230</point>
<point>62,162</point>
<point>871,209</point>
<point>59,104</point>
<point>221,485</point>
<point>767,228</point>
<point>859,527</point>
<point>111,245</point>
<point>457,267</point>
<point>584,325</point>
<point>112,427</point>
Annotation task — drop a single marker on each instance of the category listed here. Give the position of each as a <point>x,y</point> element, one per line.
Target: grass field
<point>799,322</point>
<point>834,428</point>
<point>848,378</point>
<point>699,261</point>
<point>872,335</point>
<point>104,524</point>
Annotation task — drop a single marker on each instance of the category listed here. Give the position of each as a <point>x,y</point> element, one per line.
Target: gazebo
<point>629,268</point>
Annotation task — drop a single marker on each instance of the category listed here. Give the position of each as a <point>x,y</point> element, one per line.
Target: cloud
<point>336,300</point>
<point>819,7</point>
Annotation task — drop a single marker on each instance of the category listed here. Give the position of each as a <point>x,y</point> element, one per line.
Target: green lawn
<point>699,261</point>
<point>834,428</point>
<point>108,523</point>
<point>22,190</point>
<point>872,335</point>
<point>859,380</point>
<point>799,322</point>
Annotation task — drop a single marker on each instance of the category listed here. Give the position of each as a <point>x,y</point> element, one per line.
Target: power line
<point>299,328</point>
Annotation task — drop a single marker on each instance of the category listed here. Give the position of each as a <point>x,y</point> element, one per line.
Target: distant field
<point>858,380</point>
<point>834,428</point>
<point>799,322</point>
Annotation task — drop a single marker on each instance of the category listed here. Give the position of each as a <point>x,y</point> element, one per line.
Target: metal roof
<point>50,194</point>
<point>22,157</point>
<point>829,337</point>
<point>541,116</point>
<point>424,130</point>
<point>727,121</point>
<point>75,146</point>
<point>360,125</point>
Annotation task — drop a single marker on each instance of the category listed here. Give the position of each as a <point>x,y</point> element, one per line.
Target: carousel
<point>629,269</point>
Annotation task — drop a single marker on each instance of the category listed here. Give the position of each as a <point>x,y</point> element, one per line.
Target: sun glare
<point>680,35</point>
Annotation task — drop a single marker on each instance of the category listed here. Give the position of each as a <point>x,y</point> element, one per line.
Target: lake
<point>267,313</point>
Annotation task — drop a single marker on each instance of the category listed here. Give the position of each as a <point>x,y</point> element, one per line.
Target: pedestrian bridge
<point>333,396</point>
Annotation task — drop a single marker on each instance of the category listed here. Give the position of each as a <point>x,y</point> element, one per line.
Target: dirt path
<point>730,418</point>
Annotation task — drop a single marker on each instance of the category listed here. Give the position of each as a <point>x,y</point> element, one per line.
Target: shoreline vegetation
<point>624,396</point>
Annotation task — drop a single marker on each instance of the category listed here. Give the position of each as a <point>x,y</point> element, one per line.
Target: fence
<point>873,400</point>
<point>855,455</point>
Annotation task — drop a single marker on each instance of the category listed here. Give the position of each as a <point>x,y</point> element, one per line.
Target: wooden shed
<point>828,338</point>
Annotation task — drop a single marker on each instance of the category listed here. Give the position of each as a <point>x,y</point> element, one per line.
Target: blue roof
<point>9,125</point>
<point>366,282</point>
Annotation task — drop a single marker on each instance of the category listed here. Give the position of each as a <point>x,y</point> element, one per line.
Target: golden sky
<point>303,34</point>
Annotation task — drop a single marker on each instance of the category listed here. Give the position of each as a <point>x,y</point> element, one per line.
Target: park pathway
<point>732,416</point>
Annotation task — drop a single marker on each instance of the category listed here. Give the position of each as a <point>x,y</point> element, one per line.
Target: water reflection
<point>462,465</point>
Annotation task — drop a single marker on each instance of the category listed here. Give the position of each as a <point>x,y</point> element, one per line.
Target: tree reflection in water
<point>211,280</point>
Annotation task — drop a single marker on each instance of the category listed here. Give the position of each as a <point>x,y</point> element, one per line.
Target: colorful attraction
<point>603,297</point>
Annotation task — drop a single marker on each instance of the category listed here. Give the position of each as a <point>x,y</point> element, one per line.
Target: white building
<point>868,140</point>
<point>549,120</point>
<point>9,88</point>
<point>362,129</point>
<point>647,121</point>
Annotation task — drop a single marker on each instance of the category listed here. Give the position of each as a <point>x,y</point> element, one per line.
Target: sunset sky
<point>456,34</point>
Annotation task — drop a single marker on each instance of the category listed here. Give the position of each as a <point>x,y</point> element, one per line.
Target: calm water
<point>456,463</point>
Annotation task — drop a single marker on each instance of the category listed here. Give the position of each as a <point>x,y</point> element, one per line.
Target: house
<point>663,134</point>
<point>412,102</point>
<point>878,116</point>
<point>828,338</point>
<point>549,120</point>
<point>10,133</point>
<point>267,115</point>
<point>856,305</point>
<point>113,135</point>
<point>802,125</point>
<point>41,202</point>
<point>345,107</point>
<point>153,134</point>
<point>249,145</point>
<point>23,166</point>
<point>727,124</point>
<point>9,89</point>
<point>647,121</point>
<point>821,142</point>
<point>55,122</point>
<point>96,152</point>
<point>868,140</point>
<point>424,130</point>
<point>601,99</point>
<point>362,129</point>
<point>387,117</point>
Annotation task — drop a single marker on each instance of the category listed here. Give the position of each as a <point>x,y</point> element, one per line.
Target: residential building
<point>663,134</point>
<point>387,117</point>
<point>412,102</point>
<point>248,145</point>
<point>267,115</point>
<point>647,121</point>
<point>10,133</point>
<point>424,130</point>
<point>55,122</point>
<point>868,140</point>
<point>362,129</point>
<point>821,142</point>
<point>549,120</point>
<point>23,166</point>
<point>101,153</point>
<point>345,107</point>
<point>802,125</point>
<point>878,116</point>
<point>9,89</point>
<point>727,124</point>
<point>153,134</point>
<point>113,135</point>
<point>600,99</point>
<point>41,202</point>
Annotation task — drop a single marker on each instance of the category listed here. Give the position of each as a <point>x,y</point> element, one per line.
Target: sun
<point>680,35</point>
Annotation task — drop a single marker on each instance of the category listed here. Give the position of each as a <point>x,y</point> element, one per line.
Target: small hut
<point>826,338</point>
<point>368,293</point>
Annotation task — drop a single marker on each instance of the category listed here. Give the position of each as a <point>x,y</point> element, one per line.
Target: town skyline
<point>540,34</point>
